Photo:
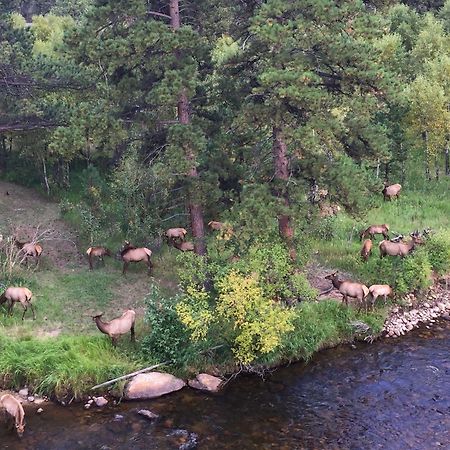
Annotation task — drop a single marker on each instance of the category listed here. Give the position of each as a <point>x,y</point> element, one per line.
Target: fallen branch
<point>124,377</point>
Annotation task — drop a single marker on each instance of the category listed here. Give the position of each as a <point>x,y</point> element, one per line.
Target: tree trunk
<point>447,160</point>
<point>3,155</point>
<point>427,157</point>
<point>281,163</point>
<point>195,209</point>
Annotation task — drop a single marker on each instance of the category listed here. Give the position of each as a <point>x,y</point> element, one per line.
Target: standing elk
<point>118,326</point>
<point>130,253</point>
<point>18,294</point>
<point>375,229</point>
<point>392,191</point>
<point>402,249</point>
<point>349,289</point>
<point>366,249</point>
<point>380,290</point>
<point>15,410</point>
<point>98,252</point>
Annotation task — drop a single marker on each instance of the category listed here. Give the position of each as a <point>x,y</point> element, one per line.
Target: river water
<point>388,395</point>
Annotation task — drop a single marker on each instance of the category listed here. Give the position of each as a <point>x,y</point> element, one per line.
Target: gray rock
<point>39,411</point>
<point>30,398</point>
<point>148,414</point>
<point>24,392</point>
<point>206,382</point>
<point>39,401</point>
<point>100,401</point>
<point>152,385</point>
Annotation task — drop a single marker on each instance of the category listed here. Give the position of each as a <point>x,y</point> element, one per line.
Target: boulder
<point>24,392</point>
<point>206,382</point>
<point>152,385</point>
<point>100,401</point>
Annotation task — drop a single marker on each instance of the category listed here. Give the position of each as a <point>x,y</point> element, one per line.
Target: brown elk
<point>402,249</point>
<point>392,191</point>
<point>380,290</point>
<point>29,250</point>
<point>366,249</point>
<point>130,253</point>
<point>98,252</point>
<point>118,326</point>
<point>375,229</point>
<point>18,294</point>
<point>176,233</point>
<point>349,289</point>
<point>184,246</point>
<point>215,225</point>
<point>15,409</point>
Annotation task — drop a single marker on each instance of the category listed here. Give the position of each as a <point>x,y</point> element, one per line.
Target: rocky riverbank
<point>413,313</point>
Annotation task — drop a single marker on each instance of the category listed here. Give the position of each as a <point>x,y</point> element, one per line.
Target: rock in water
<point>100,401</point>
<point>206,382</point>
<point>148,414</point>
<point>152,385</point>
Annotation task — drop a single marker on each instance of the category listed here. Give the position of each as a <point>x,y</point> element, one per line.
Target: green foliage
<point>438,251</point>
<point>168,339</point>
<point>68,365</point>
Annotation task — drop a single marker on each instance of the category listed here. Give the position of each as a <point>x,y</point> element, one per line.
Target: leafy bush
<point>168,339</point>
<point>438,250</point>
<point>302,288</point>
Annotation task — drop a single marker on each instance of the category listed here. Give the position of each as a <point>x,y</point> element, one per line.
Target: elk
<point>215,225</point>
<point>130,253</point>
<point>98,252</point>
<point>184,246</point>
<point>176,233</point>
<point>380,290</point>
<point>118,326</point>
<point>375,229</point>
<point>402,249</point>
<point>349,289</point>
<point>15,409</point>
<point>392,191</point>
<point>366,249</point>
<point>18,294</point>
<point>29,250</point>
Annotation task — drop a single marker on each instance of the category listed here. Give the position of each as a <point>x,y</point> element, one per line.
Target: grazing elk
<point>375,229</point>
<point>15,410</point>
<point>184,246</point>
<point>402,249</point>
<point>366,249</point>
<point>215,225</point>
<point>175,233</point>
<point>349,289</point>
<point>130,253</point>
<point>116,327</point>
<point>98,252</point>
<point>18,294</point>
<point>392,191</point>
<point>29,250</point>
<point>380,290</point>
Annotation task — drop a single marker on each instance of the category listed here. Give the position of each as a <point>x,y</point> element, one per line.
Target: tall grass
<point>69,365</point>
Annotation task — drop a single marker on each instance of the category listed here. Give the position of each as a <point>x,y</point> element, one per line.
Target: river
<point>392,394</point>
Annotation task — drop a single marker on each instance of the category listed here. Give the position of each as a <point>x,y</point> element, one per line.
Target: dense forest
<point>281,120</point>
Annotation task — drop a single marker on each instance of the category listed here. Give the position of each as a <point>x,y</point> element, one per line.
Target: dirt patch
<point>28,214</point>
<point>316,276</point>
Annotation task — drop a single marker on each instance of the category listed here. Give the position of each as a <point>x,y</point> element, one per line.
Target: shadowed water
<point>389,395</point>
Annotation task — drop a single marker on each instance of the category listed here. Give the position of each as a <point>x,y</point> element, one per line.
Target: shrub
<point>438,250</point>
<point>168,339</point>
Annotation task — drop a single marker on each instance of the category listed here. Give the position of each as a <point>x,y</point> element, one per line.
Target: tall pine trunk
<point>447,160</point>
<point>281,163</point>
<point>195,209</point>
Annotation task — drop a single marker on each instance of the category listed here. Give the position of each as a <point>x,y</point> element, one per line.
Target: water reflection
<point>388,395</point>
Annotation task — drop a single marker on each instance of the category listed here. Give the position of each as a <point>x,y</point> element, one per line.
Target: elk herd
<point>176,237</point>
<point>388,247</point>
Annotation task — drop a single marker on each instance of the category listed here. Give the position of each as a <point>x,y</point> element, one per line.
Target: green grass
<point>67,366</point>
